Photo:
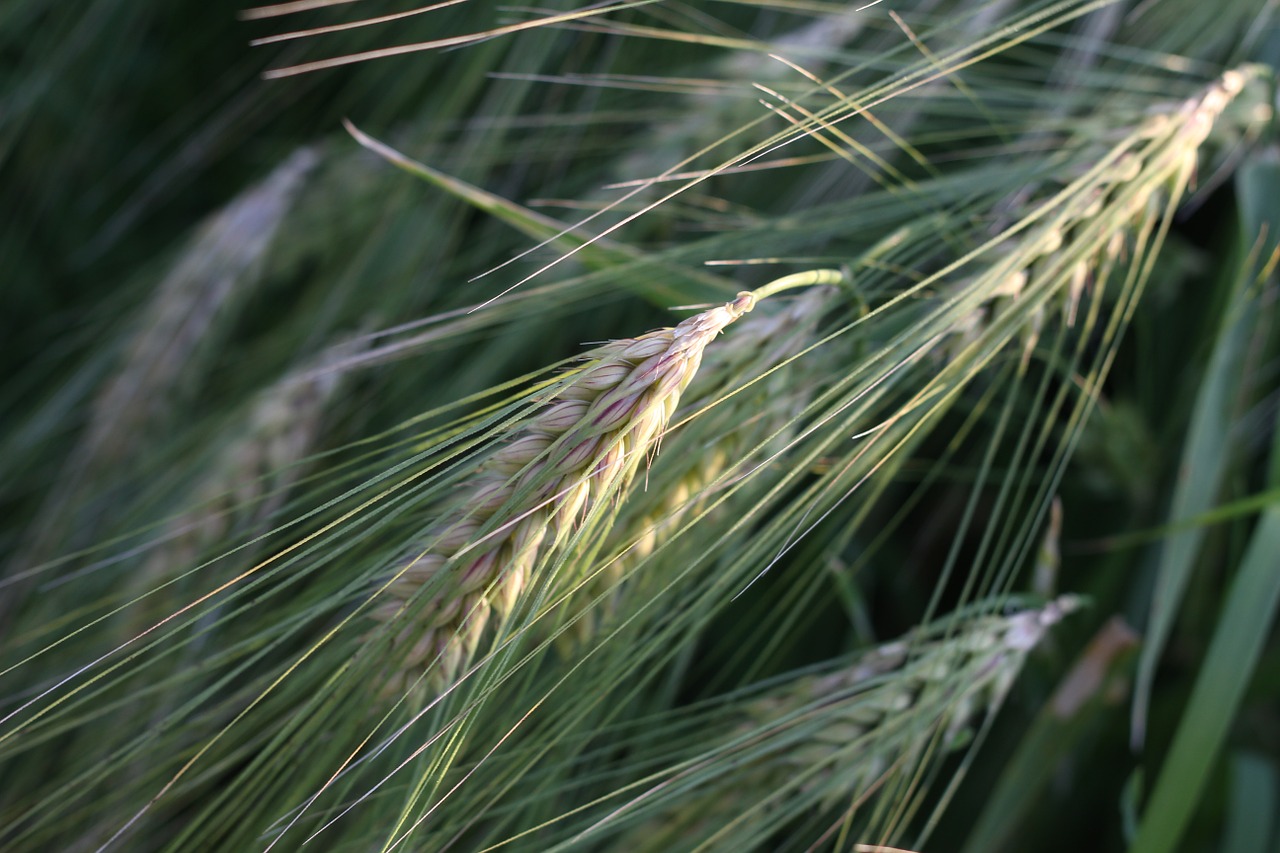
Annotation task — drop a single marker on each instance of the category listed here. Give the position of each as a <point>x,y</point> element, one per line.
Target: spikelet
<point>826,740</point>
<point>578,452</point>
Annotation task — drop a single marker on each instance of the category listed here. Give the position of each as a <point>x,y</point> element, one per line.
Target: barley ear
<point>821,741</point>
<point>745,394</point>
<point>567,463</point>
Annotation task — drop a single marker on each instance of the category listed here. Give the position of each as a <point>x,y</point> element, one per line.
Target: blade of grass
<point>1247,615</point>
<point>1243,629</point>
<point>1255,802</point>
<point>595,254</point>
<point>1205,457</point>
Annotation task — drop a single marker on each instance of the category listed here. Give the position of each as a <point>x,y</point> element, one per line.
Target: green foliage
<point>277,314</point>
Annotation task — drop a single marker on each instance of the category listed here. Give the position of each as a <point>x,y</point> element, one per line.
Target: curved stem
<point>800,279</point>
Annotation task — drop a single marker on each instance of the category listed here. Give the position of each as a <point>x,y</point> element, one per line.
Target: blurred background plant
<point>260,368</point>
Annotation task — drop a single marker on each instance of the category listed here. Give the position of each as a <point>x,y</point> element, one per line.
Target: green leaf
<point>597,253</point>
<point>1255,802</point>
<point>1242,631</point>
<point>1207,450</point>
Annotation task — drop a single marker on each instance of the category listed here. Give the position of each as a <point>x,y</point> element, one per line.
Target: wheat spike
<point>222,261</point>
<point>579,451</point>
<point>743,419</point>
<point>251,475</point>
<point>824,740</point>
<point>1065,252</point>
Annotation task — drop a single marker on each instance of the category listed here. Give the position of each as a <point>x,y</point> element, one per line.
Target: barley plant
<point>647,426</point>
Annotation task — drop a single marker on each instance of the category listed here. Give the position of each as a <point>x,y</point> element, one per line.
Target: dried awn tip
<point>578,452</point>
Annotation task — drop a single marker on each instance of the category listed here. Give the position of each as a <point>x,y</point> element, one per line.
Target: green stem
<point>800,279</point>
